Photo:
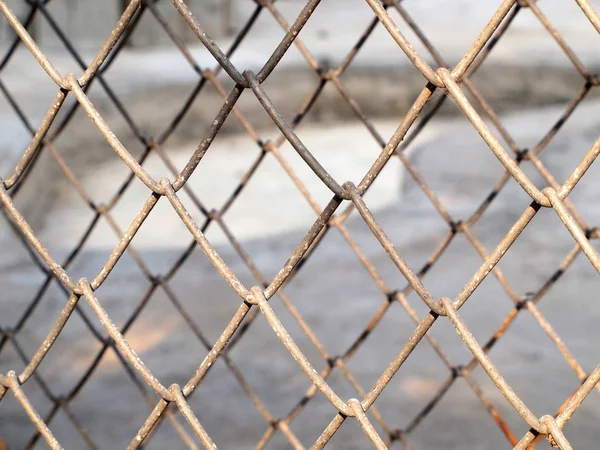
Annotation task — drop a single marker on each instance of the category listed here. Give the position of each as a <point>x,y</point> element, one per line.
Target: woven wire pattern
<point>346,196</point>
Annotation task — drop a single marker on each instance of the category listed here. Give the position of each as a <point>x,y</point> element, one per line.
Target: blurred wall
<point>89,22</point>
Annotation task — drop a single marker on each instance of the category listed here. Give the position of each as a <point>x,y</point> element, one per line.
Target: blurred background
<point>345,88</point>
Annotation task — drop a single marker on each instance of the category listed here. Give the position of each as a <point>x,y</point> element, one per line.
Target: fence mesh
<point>346,196</point>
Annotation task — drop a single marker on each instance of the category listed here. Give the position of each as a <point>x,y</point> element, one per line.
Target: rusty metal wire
<point>453,82</point>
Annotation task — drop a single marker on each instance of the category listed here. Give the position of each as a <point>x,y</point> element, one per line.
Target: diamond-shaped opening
<point>162,238</point>
<point>395,193</point>
<point>453,270</point>
<point>269,368</point>
<point>292,103</point>
<point>527,43</point>
<point>503,204</point>
<point>510,77</point>
<point>95,251</point>
<point>574,27</point>
<point>86,26</point>
<point>157,334</point>
<point>271,205</point>
<point>68,222</point>
<point>71,224</point>
<point>13,142</point>
<point>208,405</point>
<point>295,68</point>
<point>415,383</point>
<point>174,101</point>
<point>163,217</point>
<point>122,290</point>
<point>331,40</point>
<point>461,421</point>
<point>566,150</point>
<point>533,368</point>
<point>526,358</point>
<point>149,33</point>
<point>73,351</point>
<point>66,431</point>
<point>221,169</point>
<point>568,308</point>
<point>327,147</point>
<point>440,20</point>
<point>372,74</point>
<point>98,185</point>
<point>523,364</point>
<point>139,110</point>
<point>374,89</point>
<point>333,292</point>
<point>415,237</point>
<point>545,237</point>
<point>551,128</point>
<point>216,302</point>
<point>347,151</point>
<point>210,195</point>
<point>315,413</point>
<point>330,105</point>
<point>465,169</point>
<point>379,45</point>
<point>110,405</point>
<point>261,40</point>
<point>65,59</point>
<point>242,12</point>
<point>18,76</point>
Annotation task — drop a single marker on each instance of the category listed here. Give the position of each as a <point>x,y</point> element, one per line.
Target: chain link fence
<point>167,402</point>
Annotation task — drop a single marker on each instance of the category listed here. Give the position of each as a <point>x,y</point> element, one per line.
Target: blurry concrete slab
<point>333,293</point>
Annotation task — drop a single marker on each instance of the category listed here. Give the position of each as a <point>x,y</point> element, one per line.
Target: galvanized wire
<point>453,82</point>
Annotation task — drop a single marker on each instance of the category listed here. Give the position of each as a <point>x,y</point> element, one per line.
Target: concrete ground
<point>332,292</point>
